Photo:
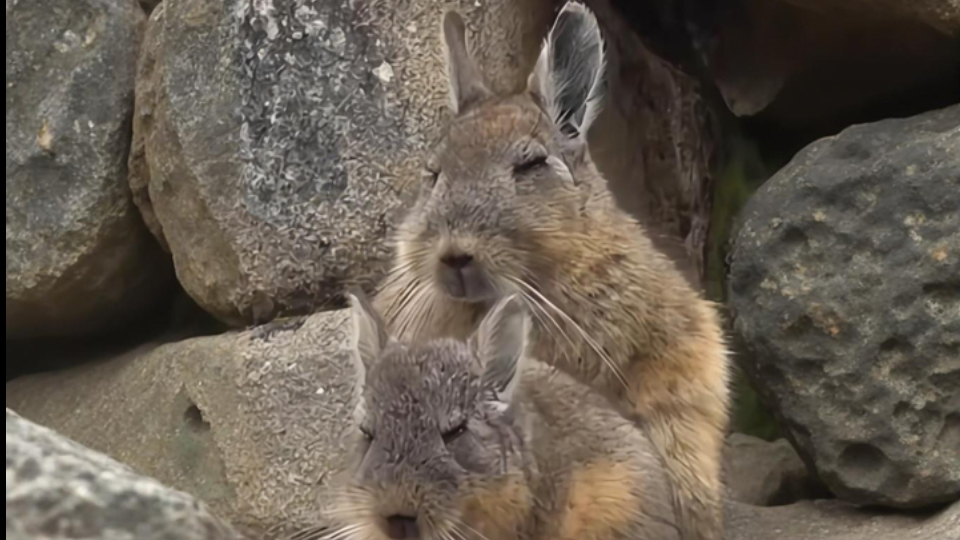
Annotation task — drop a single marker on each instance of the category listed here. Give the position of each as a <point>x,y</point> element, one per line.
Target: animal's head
<point>436,426</point>
<point>510,170</point>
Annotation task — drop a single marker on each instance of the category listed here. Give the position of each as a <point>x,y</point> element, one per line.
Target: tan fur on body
<point>609,309</point>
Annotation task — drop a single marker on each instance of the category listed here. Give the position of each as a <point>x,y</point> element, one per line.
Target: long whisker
<point>471,529</point>
<point>344,533</point>
<point>311,533</point>
<point>586,337</point>
<point>554,328</point>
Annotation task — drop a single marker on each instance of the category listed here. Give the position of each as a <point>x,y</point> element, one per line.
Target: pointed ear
<point>569,75</point>
<point>466,82</point>
<point>500,343</point>
<point>370,336</point>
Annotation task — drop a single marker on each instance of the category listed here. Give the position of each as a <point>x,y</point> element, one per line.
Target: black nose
<point>402,528</point>
<point>457,262</point>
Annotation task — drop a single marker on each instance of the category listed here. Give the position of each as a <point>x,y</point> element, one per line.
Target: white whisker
<point>586,337</point>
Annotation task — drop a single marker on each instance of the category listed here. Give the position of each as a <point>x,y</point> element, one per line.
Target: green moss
<point>742,171</point>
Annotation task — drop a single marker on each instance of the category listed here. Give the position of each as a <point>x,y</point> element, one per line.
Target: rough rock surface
<point>762,473</point>
<point>79,260</point>
<point>59,490</point>
<point>832,520</point>
<point>845,284</point>
<point>250,423</point>
<point>276,141</point>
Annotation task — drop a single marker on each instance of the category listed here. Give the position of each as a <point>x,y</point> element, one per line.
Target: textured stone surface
<point>250,423</point>
<point>654,142</point>
<point>762,473</point>
<point>832,520</point>
<point>59,490</point>
<point>845,283</point>
<point>79,260</point>
<point>276,141</point>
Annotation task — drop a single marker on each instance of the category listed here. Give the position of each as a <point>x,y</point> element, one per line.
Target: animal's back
<point>597,475</point>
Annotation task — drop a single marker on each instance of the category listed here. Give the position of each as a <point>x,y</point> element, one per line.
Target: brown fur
<point>610,309</point>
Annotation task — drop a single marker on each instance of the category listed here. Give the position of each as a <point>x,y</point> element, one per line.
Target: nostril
<point>402,528</point>
<point>457,262</point>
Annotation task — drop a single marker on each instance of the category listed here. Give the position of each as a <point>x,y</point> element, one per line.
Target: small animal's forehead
<point>492,129</point>
<point>432,379</point>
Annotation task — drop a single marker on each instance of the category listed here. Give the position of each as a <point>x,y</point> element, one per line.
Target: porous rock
<point>59,490</point>
<point>79,260</point>
<point>276,142</point>
<point>845,283</point>
<point>251,423</point>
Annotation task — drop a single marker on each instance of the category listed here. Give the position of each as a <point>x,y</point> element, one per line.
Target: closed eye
<point>530,165</point>
<point>453,434</point>
<point>367,433</point>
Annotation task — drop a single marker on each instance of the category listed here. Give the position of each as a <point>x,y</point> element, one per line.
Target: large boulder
<point>59,490</point>
<point>833,520</point>
<point>845,283</point>
<point>79,260</point>
<point>275,142</point>
<point>762,473</point>
<point>250,423</point>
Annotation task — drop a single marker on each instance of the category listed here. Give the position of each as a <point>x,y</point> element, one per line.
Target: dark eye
<point>453,434</point>
<point>367,433</point>
<point>529,165</point>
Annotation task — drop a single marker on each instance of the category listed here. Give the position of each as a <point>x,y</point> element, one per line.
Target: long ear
<point>500,342</point>
<point>466,82</point>
<point>369,332</point>
<point>569,75</point>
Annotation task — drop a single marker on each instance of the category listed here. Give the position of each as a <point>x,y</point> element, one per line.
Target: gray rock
<point>833,520</point>
<point>79,260</point>
<point>59,490</point>
<point>762,473</point>
<point>250,423</point>
<point>275,142</point>
<point>845,283</point>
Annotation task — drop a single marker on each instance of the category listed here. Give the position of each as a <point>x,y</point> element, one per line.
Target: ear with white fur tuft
<point>370,336</point>
<point>466,82</point>
<point>500,343</point>
<point>569,75</point>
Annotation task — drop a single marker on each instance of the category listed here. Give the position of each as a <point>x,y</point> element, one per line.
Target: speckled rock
<point>845,284</point>
<point>250,423</point>
<point>762,473</point>
<point>59,490</point>
<point>79,260</point>
<point>276,141</point>
<point>834,520</point>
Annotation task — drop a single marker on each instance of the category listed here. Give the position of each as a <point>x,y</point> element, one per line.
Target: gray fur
<point>412,460</point>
